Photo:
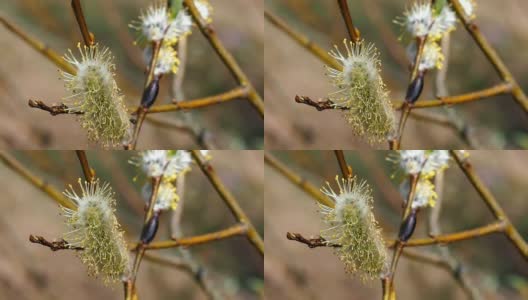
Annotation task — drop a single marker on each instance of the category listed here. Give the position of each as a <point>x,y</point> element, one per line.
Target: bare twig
<point>56,245</point>
<point>498,89</point>
<point>297,180</point>
<point>302,40</point>
<point>498,226</point>
<point>40,47</point>
<point>239,229</point>
<point>492,56</point>
<point>353,32</point>
<point>494,206</point>
<point>54,109</point>
<point>346,169</point>
<point>230,201</point>
<point>233,94</point>
<point>311,242</point>
<point>228,59</point>
<point>54,194</point>
<point>89,173</point>
<point>86,34</point>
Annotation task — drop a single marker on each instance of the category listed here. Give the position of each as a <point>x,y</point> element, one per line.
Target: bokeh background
<point>293,271</point>
<point>31,271</point>
<point>290,70</point>
<point>25,74</point>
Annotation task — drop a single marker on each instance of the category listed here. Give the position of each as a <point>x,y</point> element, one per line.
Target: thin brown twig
<point>498,226</point>
<point>40,47</point>
<point>226,57</point>
<point>230,201</point>
<point>510,231</point>
<point>498,89</point>
<point>235,230</point>
<point>233,94</point>
<point>130,282</point>
<point>353,32</point>
<point>56,245</point>
<point>321,104</point>
<point>310,242</point>
<point>454,266</point>
<point>297,180</point>
<point>86,34</point>
<point>142,110</point>
<point>472,28</point>
<point>89,173</point>
<point>54,109</point>
<point>302,40</point>
<point>346,169</point>
<point>39,183</point>
<point>202,138</point>
<point>388,281</point>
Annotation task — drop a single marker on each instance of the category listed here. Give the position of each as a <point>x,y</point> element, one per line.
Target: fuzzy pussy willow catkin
<point>94,227</point>
<point>353,226</point>
<point>95,94</point>
<point>361,91</point>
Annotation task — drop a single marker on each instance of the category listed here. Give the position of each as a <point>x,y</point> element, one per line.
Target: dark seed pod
<point>150,93</point>
<point>149,231</point>
<point>407,227</point>
<point>415,89</point>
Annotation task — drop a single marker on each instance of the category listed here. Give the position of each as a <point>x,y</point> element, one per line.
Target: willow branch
<point>79,16</point>
<point>54,109</point>
<point>388,281</point>
<point>230,201</point>
<point>297,180</point>
<point>491,55</point>
<point>130,282</point>
<point>310,242</point>
<point>493,205</point>
<point>56,245</point>
<point>346,169</point>
<point>39,183</point>
<point>302,40</point>
<point>353,32</point>
<point>226,57</point>
<point>233,94</point>
<point>195,271</point>
<point>499,226</point>
<point>239,229</point>
<point>498,89</point>
<point>142,111</point>
<point>201,137</point>
<point>89,173</point>
<point>40,47</point>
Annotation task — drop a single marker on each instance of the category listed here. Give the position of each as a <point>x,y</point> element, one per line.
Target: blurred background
<point>495,123</point>
<point>294,271</point>
<point>31,271</point>
<point>25,74</point>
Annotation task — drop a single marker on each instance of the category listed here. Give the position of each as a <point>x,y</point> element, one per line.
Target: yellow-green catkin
<point>353,226</point>
<point>96,96</point>
<point>94,227</point>
<point>362,92</point>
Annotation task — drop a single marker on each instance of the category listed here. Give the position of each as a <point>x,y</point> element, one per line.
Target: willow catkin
<point>94,227</point>
<point>96,96</point>
<point>362,92</point>
<point>353,226</point>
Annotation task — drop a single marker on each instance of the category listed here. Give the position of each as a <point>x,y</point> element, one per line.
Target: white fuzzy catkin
<point>361,91</point>
<point>95,94</point>
<point>353,226</point>
<point>94,227</point>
